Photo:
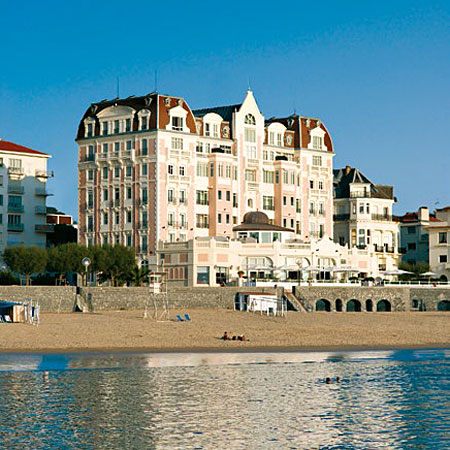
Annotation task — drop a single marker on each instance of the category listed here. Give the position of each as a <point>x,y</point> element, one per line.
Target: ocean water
<point>386,400</point>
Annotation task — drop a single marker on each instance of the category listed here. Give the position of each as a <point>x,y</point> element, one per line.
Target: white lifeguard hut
<point>159,295</point>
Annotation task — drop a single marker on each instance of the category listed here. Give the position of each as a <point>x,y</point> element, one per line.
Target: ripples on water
<point>386,400</point>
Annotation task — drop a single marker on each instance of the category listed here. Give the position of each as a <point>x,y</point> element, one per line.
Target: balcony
<point>15,189</point>
<point>269,207</point>
<point>42,192</point>
<point>16,227</point>
<point>44,228</point>
<point>15,208</point>
<point>341,217</point>
<point>383,248</point>
<point>202,225</point>
<point>382,217</point>
<point>143,225</point>
<point>40,210</point>
<point>16,170</point>
<point>360,194</point>
<point>44,174</point>
<point>89,158</point>
<point>202,202</point>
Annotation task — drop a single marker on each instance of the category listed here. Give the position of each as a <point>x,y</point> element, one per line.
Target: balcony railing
<point>382,217</point>
<point>15,189</point>
<point>383,248</point>
<point>143,225</point>
<point>202,202</point>
<point>89,158</point>
<point>17,227</point>
<point>16,170</point>
<point>42,191</point>
<point>15,208</point>
<point>40,210</point>
<point>44,174</point>
<point>202,225</point>
<point>269,207</point>
<point>44,228</point>
<point>341,217</point>
<point>360,194</point>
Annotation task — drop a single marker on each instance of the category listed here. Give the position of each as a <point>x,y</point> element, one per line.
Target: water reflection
<point>386,400</point>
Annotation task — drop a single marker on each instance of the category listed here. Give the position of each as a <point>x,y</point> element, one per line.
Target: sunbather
<point>226,336</point>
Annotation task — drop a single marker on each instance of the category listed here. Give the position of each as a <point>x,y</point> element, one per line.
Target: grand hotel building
<point>151,169</point>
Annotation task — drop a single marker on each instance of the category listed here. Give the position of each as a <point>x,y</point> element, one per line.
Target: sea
<point>248,400</point>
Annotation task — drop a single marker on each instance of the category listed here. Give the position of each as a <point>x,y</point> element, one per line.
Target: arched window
<point>144,263</point>
<point>250,119</point>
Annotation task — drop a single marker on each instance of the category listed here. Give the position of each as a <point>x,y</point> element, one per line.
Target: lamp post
<point>86,263</point>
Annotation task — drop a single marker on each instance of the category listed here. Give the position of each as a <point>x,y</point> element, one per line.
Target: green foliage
<point>25,260</point>
<point>140,275</point>
<point>7,278</point>
<point>114,262</point>
<point>62,234</point>
<point>44,279</point>
<point>416,269</point>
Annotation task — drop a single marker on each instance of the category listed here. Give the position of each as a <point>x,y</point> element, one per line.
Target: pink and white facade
<point>151,169</point>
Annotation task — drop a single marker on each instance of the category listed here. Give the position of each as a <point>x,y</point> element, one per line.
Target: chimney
<point>424,215</point>
<point>347,170</point>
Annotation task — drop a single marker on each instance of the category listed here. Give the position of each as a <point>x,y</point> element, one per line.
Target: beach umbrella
<point>263,268</point>
<point>310,269</point>
<point>428,274</point>
<point>287,268</point>
<point>344,269</point>
<point>397,272</point>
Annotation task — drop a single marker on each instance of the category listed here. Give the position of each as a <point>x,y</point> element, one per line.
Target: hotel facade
<point>152,170</point>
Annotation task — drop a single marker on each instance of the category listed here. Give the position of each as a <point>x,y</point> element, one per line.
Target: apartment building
<point>23,193</point>
<point>363,217</point>
<point>151,169</point>
<point>439,243</point>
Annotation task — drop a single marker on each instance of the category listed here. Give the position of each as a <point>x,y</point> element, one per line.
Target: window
<point>265,155</point>
<point>361,207</point>
<point>250,119</point>
<point>202,221</point>
<point>170,195</point>
<point>311,184</point>
<point>311,207</point>
<point>129,240</point>
<point>202,197</point>
<point>411,230</point>
<point>90,176</point>
<point>116,127</point>
<point>202,170</point>
<point>183,197</point>
<point>271,138</point>
<point>105,148</point>
<point>321,185</point>
<point>442,258</point>
<point>105,128</point>
<point>268,203</point>
<point>127,125</point>
<point>129,171</point>
<point>277,176</point>
<point>90,129</point>
<point>199,147</point>
<point>215,130</point>
<point>170,220</point>
<point>129,217</point>
<point>177,143</point>
<point>292,178</point>
<point>117,147</point>
<point>411,245</point>
<point>279,139</point>
<point>321,209</point>
<point>211,169</point>
<point>321,230</point>
<point>220,170</point>
<point>235,202</point>
<point>249,135</point>
<point>297,205</point>
<point>292,201</point>
<point>117,194</point>
<point>267,176</point>
<point>207,129</point>
<point>90,199</point>
<point>317,161</point>
<point>227,219</point>
<point>317,142</point>
<point>367,208</point>
<point>144,123</point>
<point>144,147</point>
<point>284,201</point>
<point>228,196</point>
<point>442,237</point>
<point>292,223</point>
<point>116,172</point>
<point>117,217</point>
<point>251,151</point>
<point>129,193</point>
<point>285,177</point>
<point>250,175</point>
<point>144,196</point>
<point>170,169</point>
<point>284,223</point>
<point>182,171</point>
<point>90,224</point>
<point>105,218</point>
<point>228,171</point>
<point>219,218</point>
<point>182,220</point>
<point>219,195</point>
<point>177,123</point>
<point>105,195</point>
<point>144,169</point>
<point>105,173</point>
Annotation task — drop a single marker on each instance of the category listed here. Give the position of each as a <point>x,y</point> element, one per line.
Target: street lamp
<point>86,263</point>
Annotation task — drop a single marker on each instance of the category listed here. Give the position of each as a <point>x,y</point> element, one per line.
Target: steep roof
<point>346,176</point>
<point>258,221</point>
<point>226,112</point>
<point>7,146</point>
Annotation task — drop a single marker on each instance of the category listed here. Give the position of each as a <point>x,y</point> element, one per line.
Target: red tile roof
<point>11,147</point>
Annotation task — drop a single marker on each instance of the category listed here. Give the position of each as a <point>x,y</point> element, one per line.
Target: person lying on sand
<point>242,337</point>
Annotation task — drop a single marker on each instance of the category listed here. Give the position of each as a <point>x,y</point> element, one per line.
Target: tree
<point>66,258</point>
<point>25,260</point>
<point>140,275</point>
<point>114,262</point>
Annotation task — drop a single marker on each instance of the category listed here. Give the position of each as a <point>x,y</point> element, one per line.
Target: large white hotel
<point>153,171</point>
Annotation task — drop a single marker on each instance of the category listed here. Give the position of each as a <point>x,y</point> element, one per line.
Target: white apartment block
<point>152,170</point>
<point>439,243</point>
<point>23,192</point>
<point>363,219</point>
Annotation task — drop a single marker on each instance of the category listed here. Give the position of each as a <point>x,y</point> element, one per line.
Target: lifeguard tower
<point>158,291</point>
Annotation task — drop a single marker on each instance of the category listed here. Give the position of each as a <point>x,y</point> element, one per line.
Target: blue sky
<point>376,72</point>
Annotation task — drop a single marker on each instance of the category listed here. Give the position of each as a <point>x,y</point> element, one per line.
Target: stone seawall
<point>362,298</point>
<point>64,299</point>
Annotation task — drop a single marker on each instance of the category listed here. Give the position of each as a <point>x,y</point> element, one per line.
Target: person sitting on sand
<point>328,380</point>
<point>226,336</point>
<point>338,379</point>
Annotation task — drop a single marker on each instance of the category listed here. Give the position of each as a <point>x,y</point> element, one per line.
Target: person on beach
<point>242,337</point>
<point>328,380</point>
<point>226,336</point>
<point>338,379</point>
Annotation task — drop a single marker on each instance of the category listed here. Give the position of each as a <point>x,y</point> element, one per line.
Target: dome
<point>255,217</point>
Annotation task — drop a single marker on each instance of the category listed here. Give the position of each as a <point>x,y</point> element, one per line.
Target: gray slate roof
<point>226,112</point>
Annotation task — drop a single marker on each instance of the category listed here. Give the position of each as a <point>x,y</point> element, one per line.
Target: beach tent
<point>12,310</point>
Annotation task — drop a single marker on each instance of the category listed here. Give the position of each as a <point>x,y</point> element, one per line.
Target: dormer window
<point>177,123</point>
<point>250,119</point>
<point>104,128</point>
<point>127,125</point>
<point>144,123</point>
<point>90,130</point>
<point>116,127</point>
<point>271,138</point>
<point>207,129</point>
<point>279,139</point>
<point>317,142</point>
<point>215,130</point>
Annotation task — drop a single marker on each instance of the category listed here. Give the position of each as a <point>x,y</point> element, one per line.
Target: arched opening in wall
<point>250,203</point>
<point>338,305</point>
<point>443,305</point>
<point>323,305</point>
<point>353,306</point>
<point>383,306</point>
<point>369,305</point>
<point>443,278</point>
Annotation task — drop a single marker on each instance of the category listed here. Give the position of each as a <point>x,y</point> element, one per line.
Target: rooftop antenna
<point>249,87</point>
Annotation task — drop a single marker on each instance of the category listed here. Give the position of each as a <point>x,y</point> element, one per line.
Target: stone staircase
<point>295,303</point>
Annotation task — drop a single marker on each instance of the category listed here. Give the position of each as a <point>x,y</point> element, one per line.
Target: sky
<point>377,73</point>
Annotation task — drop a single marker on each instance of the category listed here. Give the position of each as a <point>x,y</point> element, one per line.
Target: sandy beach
<point>128,330</point>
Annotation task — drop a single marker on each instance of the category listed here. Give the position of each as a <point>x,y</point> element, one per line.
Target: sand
<point>128,330</point>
